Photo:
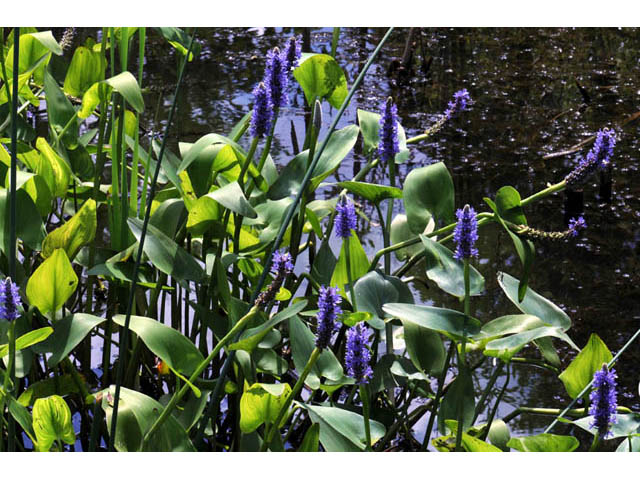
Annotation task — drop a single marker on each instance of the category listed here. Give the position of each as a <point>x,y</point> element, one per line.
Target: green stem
<point>364,396</point>
<point>461,357</point>
<point>347,252</point>
<point>275,426</point>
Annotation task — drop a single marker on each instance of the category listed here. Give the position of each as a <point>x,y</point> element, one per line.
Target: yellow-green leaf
<point>52,422</point>
<point>261,403</point>
<point>52,283</point>
<point>79,230</point>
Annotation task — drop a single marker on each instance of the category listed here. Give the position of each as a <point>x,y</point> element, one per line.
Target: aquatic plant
<point>276,77</point>
<point>388,146</point>
<point>466,233</point>
<point>596,159</point>
<point>262,111</point>
<point>603,401</point>
<point>9,300</point>
<point>328,311</point>
<point>346,219</point>
<point>357,356</point>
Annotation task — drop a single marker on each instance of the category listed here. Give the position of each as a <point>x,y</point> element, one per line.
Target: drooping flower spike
<point>281,266</point>
<point>276,78</point>
<point>461,100</point>
<point>358,356</point>
<point>328,311</point>
<point>262,111</point>
<point>9,300</point>
<point>346,219</point>
<point>388,146</point>
<point>292,53</point>
<point>598,158</point>
<point>603,401</point>
<point>575,225</point>
<point>465,233</point>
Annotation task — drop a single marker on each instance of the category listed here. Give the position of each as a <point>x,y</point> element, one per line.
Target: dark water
<point>524,83</point>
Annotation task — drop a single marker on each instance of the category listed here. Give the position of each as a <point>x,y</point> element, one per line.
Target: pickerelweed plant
<point>211,276</point>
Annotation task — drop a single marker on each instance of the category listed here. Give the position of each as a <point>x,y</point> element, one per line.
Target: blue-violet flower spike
<point>262,111</point>
<point>281,263</point>
<point>9,300</point>
<point>598,158</point>
<point>388,145</point>
<point>276,78</point>
<point>346,218</point>
<point>603,401</point>
<point>292,53</point>
<point>461,99</point>
<point>328,311</point>
<point>358,356</point>
<point>575,225</point>
<point>466,233</point>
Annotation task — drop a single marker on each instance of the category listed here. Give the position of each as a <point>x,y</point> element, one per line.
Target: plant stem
<point>364,396</point>
<point>462,366</point>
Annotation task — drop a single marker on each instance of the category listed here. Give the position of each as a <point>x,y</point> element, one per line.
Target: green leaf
<point>67,334</point>
<point>179,40</point>
<point>124,83</point>
<point>87,67</point>
<point>505,348</point>
<point>310,442</point>
<point>290,179</point>
<point>427,192</point>
<point>369,123</point>
<point>627,424</point>
<point>425,348</point>
<point>359,265</point>
<point>60,111</point>
<point>509,207</point>
<point>400,232</point>
<point>448,272</point>
<point>22,416</point>
<point>375,289</point>
<point>351,319</point>
<point>37,189</point>
<point>320,76</point>
<point>544,442</point>
<point>342,430</point>
<point>230,196</point>
<point>28,339</point>
<point>260,403</point>
<point>29,228</point>
<point>59,385</point>
<point>371,191</point>
<point>166,255</point>
<point>580,371</point>
<point>524,248</point>
<point>252,337</point>
<point>136,413</point>
<point>52,422</point>
<point>533,303</point>
<point>453,324</point>
<point>459,395</point>
<point>53,168</point>
<point>76,232</point>
<point>166,343</point>
<point>52,283</point>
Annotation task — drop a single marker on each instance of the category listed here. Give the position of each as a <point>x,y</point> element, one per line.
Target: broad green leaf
<point>351,319</point>
<point>166,255</point>
<point>230,196</point>
<point>544,442</point>
<point>52,283</point>
<point>627,424</point>
<point>136,413</point>
<point>52,422</point>
<point>168,344</point>
<point>29,228</point>
<point>271,214</point>
<point>375,289</point>
<point>473,444</point>
<point>508,324</point>
<point>459,395</point>
<point>67,334</point>
<point>290,179</point>
<point>28,339</point>
<point>260,403</point>
<point>369,123</point>
<point>524,247</point>
<point>580,371</point>
<point>448,272</point>
<point>311,439</point>
<point>87,67</point>
<point>252,337</point>
<point>425,348</point>
<point>453,324</point>
<point>202,214</point>
<point>359,265</point>
<point>343,430</point>
<point>508,205</point>
<point>533,303</point>
<point>371,191</point>
<point>392,371</point>
<point>60,111</point>
<point>124,83</point>
<point>22,416</point>
<point>505,348</point>
<point>35,186</point>
<point>76,232</point>
<point>59,385</point>
<point>320,76</point>
<point>53,168</point>
<point>324,265</point>
<point>400,232</point>
<point>633,442</point>
<point>427,192</point>
<point>179,40</point>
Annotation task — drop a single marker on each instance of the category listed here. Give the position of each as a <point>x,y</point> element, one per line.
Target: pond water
<point>535,91</point>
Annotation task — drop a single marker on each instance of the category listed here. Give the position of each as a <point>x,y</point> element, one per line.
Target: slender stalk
<point>347,252</point>
<point>275,427</point>
<point>462,366</point>
<point>366,413</point>
<point>439,392</point>
<point>143,234</point>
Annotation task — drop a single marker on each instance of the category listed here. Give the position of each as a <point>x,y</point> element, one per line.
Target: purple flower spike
<point>292,53</point>
<point>603,401</point>
<point>282,263</point>
<point>575,225</point>
<point>276,78</point>
<point>388,145</point>
<point>358,356</point>
<point>262,111</point>
<point>328,311</point>
<point>598,158</point>
<point>9,300</point>
<point>461,99</point>
<point>281,266</point>
<point>466,233</point>
<point>346,218</point>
